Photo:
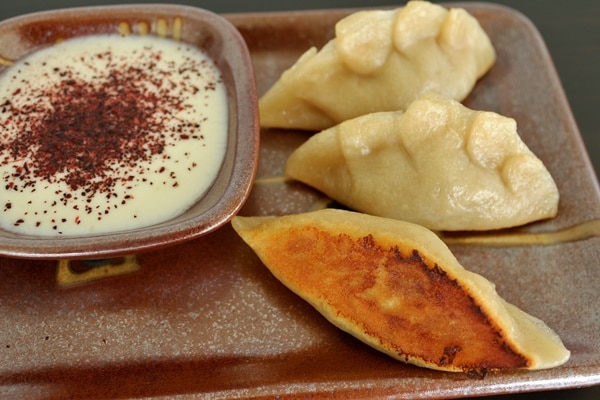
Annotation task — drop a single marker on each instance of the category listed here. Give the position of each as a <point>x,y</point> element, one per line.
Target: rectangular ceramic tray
<point>206,318</point>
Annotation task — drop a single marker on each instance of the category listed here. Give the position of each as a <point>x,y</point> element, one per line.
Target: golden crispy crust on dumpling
<point>439,164</point>
<point>397,287</point>
<point>380,60</point>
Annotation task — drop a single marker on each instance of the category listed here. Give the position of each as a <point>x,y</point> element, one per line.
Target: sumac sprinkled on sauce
<point>85,129</point>
<point>97,131</point>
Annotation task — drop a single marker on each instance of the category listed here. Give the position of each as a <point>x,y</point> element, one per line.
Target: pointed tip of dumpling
<point>242,223</point>
<point>281,107</point>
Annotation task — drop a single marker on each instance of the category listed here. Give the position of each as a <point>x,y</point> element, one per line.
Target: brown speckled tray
<point>206,318</point>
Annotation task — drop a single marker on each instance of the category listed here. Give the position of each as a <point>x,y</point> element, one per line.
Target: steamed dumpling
<point>439,164</point>
<point>397,287</point>
<point>380,60</point>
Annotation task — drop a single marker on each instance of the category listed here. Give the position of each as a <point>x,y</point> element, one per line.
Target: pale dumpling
<point>439,164</point>
<point>380,60</point>
<point>397,287</point>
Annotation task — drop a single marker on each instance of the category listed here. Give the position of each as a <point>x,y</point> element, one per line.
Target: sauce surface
<point>107,133</point>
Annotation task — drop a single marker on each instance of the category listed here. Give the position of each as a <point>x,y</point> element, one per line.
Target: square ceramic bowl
<point>222,42</point>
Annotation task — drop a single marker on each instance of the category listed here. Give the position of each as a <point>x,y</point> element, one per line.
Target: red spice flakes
<point>96,134</point>
<point>87,128</point>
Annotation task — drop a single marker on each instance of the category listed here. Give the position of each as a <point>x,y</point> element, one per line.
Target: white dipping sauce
<point>108,133</point>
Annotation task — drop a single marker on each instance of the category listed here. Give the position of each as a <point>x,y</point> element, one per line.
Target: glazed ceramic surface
<point>206,319</point>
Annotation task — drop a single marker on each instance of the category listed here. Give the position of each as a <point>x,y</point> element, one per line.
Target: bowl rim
<point>243,168</point>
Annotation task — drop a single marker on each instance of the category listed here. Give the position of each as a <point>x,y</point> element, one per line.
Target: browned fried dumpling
<point>439,164</point>
<point>397,287</point>
<point>380,60</point>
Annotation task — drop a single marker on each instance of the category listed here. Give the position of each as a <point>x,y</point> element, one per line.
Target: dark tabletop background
<point>571,31</point>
